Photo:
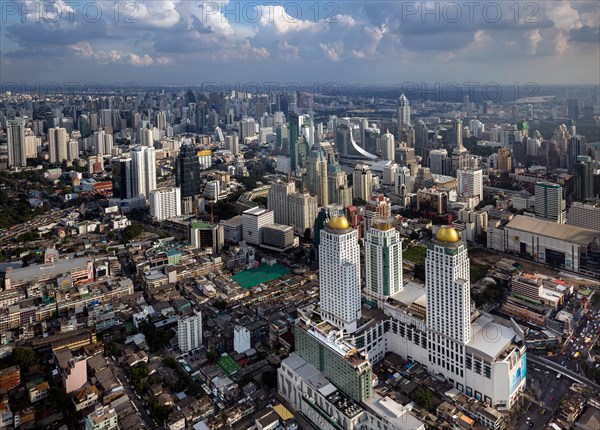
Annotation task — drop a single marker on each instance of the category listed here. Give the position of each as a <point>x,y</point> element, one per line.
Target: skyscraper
<point>584,178</point>
<point>339,274</point>
<point>378,206</point>
<point>383,260</point>
<point>447,281</point>
<point>189,332</point>
<point>316,175</point>
<point>57,145</point>
<point>187,172</point>
<point>121,177</point>
<point>339,192</point>
<point>362,182</point>
<point>143,171</point>
<point>302,211</point>
<point>278,200</point>
<point>17,154</point>
<point>575,148</point>
<point>232,143</point>
<point>549,202</point>
<point>504,160</point>
<point>388,146</point>
<point>403,112</point>
<point>470,182</point>
<point>294,132</point>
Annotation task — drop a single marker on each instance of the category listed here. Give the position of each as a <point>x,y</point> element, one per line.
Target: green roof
<point>262,273</point>
<point>229,365</point>
<point>200,224</point>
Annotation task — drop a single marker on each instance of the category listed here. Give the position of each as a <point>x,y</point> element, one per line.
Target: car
<point>530,424</point>
<point>543,411</point>
<point>528,419</point>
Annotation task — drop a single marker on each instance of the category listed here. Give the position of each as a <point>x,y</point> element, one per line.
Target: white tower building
<point>143,175</point>
<point>339,277</point>
<point>403,112</point>
<point>253,221</point>
<point>447,281</point>
<point>189,332</point>
<point>470,182</point>
<point>388,146</point>
<point>165,203</point>
<point>57,144</point>
<point>383,261</point>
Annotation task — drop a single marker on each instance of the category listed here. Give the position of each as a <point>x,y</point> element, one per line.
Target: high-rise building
<point>294,133</point>
<point>121,177</point>
<point>439,162</point>
<point>278,200</point>
<point>586,215</point>
<point>362,182</point>
<point>232,143</point>
<point>378,206</point>
<point>339,274</point>
<point>17,153</point>
<point>470,182</point>
<point>253,221</point>
<point>187,175</point>
<point>561,138</point>
<point>337,182</point>
<point>302,211</point>
<point>165,203</point>
<point>388,146</point>
<point>316,175</point>
<point>143,171</point>
<point>103,142</point>
<point>460,155</point>
<point>383,261</point>
<point>575,148</point>
<point>505,160</point>
<point>584,178</point>
<point>57,145</point>
<point>549,202</point>
<point>403,112</point>
<point>161,121</point>
<point>189,332</point>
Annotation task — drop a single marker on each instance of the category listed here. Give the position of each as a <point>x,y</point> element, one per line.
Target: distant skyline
<point>391,42</point>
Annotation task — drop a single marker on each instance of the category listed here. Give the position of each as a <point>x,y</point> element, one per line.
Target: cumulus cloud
<point>84,49</point>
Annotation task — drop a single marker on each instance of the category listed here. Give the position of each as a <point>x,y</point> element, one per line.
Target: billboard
<point>519,375</point>
<point>204,153</point>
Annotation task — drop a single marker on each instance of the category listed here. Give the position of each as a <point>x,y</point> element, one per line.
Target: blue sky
<point>371,42</point>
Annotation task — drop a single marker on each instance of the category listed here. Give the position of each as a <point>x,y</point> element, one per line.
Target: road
<point>139,404</point>
<point>47,218</point>
<point>547,364</point>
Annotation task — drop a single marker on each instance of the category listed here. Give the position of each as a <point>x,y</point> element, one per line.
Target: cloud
<point>332,51</point>
<point>278,17</point>
<point>84,49</point>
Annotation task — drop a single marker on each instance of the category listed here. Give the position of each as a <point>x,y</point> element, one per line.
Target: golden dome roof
<point>338,223</point>
<point>447,234</point>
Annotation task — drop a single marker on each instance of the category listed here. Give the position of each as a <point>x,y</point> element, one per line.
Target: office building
<point>339,274</point>
<point>383,261</point>
<point>586,215</point>
<point>470,182</point>
<point>278,237</point>
<point>316,175</point>
<point>165,203</point>
<point>388,146</point>
<point>362,182</point>
<point>143,171</point>
<point>403,112</point>
<point>204,235</point>
<point>584,178</point>
<point>57,145</point>
<point>278,200</point>
<point>121,177</point>
<point>187,176</point>
<point>253,221</point>
<point>439,162</point>
<point>302,212</point>
<point>549,202</point>
<point>294,133</point>
<point>575,148</point>
<point>17,152</point>
<point>189,332</point>
<point>232,143</point>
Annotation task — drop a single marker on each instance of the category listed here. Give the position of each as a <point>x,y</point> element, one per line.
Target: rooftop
<point>569,233</point>
<point>489,338</point>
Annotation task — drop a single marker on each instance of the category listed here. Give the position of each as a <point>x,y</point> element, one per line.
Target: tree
<point>132,231</point>
<point>423,397</point>
<point>24,357</point>
<point>170,362</point>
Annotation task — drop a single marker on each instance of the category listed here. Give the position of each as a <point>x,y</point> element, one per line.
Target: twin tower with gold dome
<point>445,234</point>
